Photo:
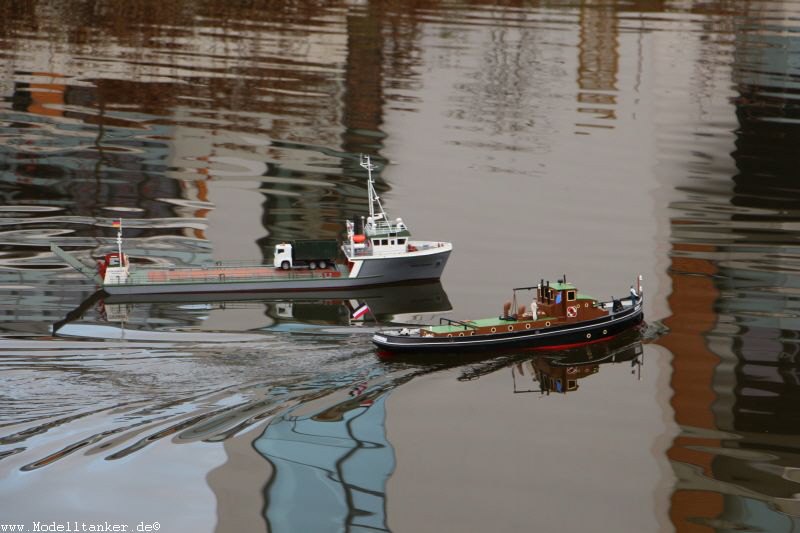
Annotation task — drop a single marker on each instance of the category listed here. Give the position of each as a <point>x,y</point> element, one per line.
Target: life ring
<point>572,311</point>
<point>571,370</point>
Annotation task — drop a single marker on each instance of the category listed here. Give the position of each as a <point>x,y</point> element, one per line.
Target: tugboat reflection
<point>560,375</point>
<point>559,372</point>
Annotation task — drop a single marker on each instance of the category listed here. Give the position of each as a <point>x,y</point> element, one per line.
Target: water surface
<point>597,140</point>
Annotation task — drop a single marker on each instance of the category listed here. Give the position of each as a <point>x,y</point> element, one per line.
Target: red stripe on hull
<point>565,346</point>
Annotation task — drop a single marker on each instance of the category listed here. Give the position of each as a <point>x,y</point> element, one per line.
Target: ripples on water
<point>734,258</point>
<point>187,119</point>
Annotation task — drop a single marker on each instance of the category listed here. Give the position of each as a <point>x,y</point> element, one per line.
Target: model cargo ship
<point>559,317</point>
<point>381,252</point>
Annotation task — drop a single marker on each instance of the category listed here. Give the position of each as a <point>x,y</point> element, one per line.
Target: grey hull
<point>372,272</point>
<point>397,269</point>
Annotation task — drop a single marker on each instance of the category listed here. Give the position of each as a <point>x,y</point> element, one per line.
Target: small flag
<point>361,311</point>
<point>116,223</point>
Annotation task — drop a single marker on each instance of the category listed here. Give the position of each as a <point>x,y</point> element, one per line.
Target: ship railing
<point>196,275</point>
<point>413,246</point>
<point>215,265</point>
<point>384,226</point>
<point>451,322</point>
<point>427,245</point>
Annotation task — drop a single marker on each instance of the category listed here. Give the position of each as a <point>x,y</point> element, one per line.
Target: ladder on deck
<point>87,271</point>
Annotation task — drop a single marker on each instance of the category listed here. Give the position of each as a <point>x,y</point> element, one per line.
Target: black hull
<point>555,337</point>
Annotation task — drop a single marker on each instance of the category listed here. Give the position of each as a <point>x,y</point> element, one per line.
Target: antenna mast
<point>373,196</point>
<point>119,242</point>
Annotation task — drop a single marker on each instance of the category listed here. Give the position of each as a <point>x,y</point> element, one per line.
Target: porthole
<point>586,304</point>
<point>471,333</point>
<point>449,334</point>
<point>547,324</point>
<point>461,334</point>
<point>510,328</point>
<point>527,326</point>
<point>605,332</point>
<point>493,329</point>
<point>588,335</point>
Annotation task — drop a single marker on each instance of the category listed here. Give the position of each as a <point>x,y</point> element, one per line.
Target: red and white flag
<point>361,311</point>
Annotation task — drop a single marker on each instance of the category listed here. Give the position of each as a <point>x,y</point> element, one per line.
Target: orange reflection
<point>693,316</point>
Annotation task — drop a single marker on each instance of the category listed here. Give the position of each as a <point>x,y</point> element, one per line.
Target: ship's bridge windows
<point>376,242</point>
<point>570,295</point>
<point>280,250</point>
<point>401,241</point>
<point>385,242</point>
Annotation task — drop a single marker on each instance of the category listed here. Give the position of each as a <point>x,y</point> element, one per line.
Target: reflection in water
<point>291,311</point>
<point>598,64</point>
<point>332,456</point>
<point>559,371</point>
<point>217,128</point>
<point>562,374</point>
<point>733,328</point>
<point>333,462</point>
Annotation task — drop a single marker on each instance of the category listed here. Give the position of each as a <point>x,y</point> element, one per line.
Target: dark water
<point>598,139</point>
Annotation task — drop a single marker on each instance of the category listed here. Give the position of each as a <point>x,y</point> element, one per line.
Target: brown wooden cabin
<point>560,379</point>
<point>557,303</point>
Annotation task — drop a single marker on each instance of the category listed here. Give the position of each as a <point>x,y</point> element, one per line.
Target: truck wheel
<point>323,264</point>
<point>312,265</point>
<point>285,265</point>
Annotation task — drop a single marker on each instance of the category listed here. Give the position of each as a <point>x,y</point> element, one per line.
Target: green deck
<point>481,323</point>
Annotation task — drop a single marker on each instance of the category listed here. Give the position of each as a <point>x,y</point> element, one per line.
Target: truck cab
<point>283,256</point>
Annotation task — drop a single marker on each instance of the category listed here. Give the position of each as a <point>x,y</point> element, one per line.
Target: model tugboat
<point>381,253</point>
<point>558,317</point>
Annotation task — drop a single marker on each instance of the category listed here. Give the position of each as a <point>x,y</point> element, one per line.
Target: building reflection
<point>598,63</point>
<point>330,466</point>
<point>733,330</point>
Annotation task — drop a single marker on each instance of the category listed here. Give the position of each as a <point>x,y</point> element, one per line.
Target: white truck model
<point>306,253</point>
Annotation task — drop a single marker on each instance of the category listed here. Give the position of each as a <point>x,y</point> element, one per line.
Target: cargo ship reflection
<point>292,311</point>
